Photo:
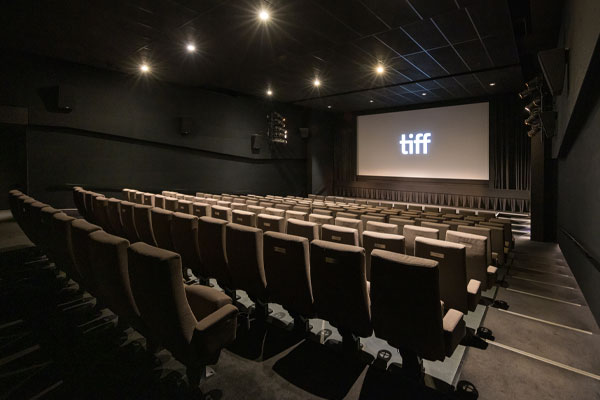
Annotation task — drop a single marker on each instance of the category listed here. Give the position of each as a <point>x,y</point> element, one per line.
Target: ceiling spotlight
<point>191,47</point>
<point>145,68</point>
<point>370,101</point>
<point>532,106</point>
<point>423,94</point>
<point>263,15</point>
<point>533,131</point>
<point>534,83</point>
<point>328,106</point>
<point>379,69</point>
<point>317,82</point>
<point>492,83</point>
<point>269,92</point>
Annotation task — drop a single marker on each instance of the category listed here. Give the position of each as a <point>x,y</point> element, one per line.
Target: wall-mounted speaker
<point>553,63</point>
<point>304,133</point>
<point>57,99</point>
<point>256,142</point>
<point>186,125</point>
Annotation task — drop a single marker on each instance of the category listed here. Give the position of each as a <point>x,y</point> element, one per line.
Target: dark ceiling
<point>433,50</point>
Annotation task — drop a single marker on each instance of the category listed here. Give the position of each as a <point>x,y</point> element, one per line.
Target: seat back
<point>366,218</point>
<point>382,241</point>
<point>507,225</point>
<point>45,227</point>
<point>482,231</point>
<point>201,209</point>
<point>159,201</point>
<point>171,203</point>
<point>400,222</point>
<point>275,211</point>
<point>405,303</point>
<point>184,235</point>
<point>269,223</point>
<point>148,199</point>
<point>287,271</point>
<point>442,228</point>
<point>161,226</point>
<point>452,265</point>
<point>243,217</point>
<point>350,223</point>
<point>63,245</point>
<point>221,212</point>
<point>497,236</point>
<point>185,206</point>
<point>299,215</point>
<point>476,247</point>
<point>87,201</point>
<point>157,287</point>
<point>80,229</point>
<point>382,227</point>
<point>212,245</point>
<point>113,212</point>
<point>339,286</point>
<point>244,246</point>
<point>100,209</point>
<point>306,229</point>
<point>411,232</point>
<point>128,220</point>
<point>339,234</point>
<point>142,216</point>
<point>239,206</point>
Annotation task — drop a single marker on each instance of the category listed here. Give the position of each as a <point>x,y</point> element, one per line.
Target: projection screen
<point>444,142</point>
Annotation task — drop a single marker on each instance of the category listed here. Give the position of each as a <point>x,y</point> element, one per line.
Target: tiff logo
<point>414,146</point>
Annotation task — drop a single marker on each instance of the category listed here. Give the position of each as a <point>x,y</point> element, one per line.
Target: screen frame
<point>412,107</point>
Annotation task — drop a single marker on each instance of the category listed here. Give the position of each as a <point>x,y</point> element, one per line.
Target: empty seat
<point>340,291</point>
<point>239,206</point>
<point>322,211</point>
<point>223,203</point>
<point>507,225</point>
<point>148,199</point>
<point>211,242</point>
<point>266,204</point>
<point>100,210</point>
<point>400,222</point>
<point>256,209</point>
<point>275,211</point>
<point>113,209</point>
<point>350,223</point>
<point>483,231</point>
<point>185,206</point>
<point>455,290</point>
<point>127,218</point>
<point>244,246</point>
<point>486,214</point>
<point>383,241</point>
<point>339,234</point>
<point>283,206</point>
<point>78,200</point>
<point>477,267</point>
<point>128,194</point>
<point>268,223</point>
<point>382,227</point>
<point>443,228</point>
<point>414,207</point>
<point>466,212</point>
<point>411,232</point>
<point>302,208</point>
<point>201,209</point>
<point>193,322</point>
<point>431,209</point>
<point>454,224</point>
<point>243,217</point>
<point>161,226</point>
<point>211,201</point>
<point>142,216</point>
<point>62,244</point>
<point>306,229</point>
<point>365,218</point>
<point>416,328</point>
<point>221,212</point>
<point>159,201</point>
<point>184,235</point>
<point>171,204</point>
<point>296,215</point>
<point>497,235</point>
<point>80,229</point>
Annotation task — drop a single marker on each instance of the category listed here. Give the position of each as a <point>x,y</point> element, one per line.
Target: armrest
<point>492,275</point>
<point>454,330</point>
<point>473,294</point>
<point>215,331</point>
<point>204,300</point>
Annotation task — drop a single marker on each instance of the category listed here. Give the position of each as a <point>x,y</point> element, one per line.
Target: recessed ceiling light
<point>145,68</point>
<point>379,69</point>
<point>269,92</point>
<point>328,106</point>
<point>263,15</point>
<point>370,101</point>
<point>492,83</point>
<point>317,82</point>
<point>423,94</point>
<point>191,47</point>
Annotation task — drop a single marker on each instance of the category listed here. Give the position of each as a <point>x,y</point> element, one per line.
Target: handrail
<point>595,262</point>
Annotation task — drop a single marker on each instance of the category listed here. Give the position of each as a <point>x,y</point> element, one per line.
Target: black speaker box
<point>256,143</point>
<point>553,63</point>
<point>304,133</point>
<point>186,125</point>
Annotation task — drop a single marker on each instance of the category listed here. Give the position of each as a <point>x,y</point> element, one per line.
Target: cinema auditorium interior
<point>300,199</point>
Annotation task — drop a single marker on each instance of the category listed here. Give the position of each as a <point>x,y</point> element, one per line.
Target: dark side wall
<point>577,144</point>
<point>124,131</point>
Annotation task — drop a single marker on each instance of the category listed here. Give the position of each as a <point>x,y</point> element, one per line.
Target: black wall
<point>124,131</point>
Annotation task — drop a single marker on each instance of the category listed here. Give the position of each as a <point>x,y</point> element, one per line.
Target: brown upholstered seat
<point>80,229</point>
<point>242,217</point>
<point>309,230</point>
<point>62,244</point>
<point>113,212</point>
<point>193,322</point>
<point>244,246</point>
<point>221,212</point>
<point>184,234</point>
<point>287,271</point>
<point>161,226</point>
<point>410,232</point>
<point>339,287</point>
<point>100,210</point>
<point>128,221</point>
<point>340,234</point>
<point>382,227</point>
<point>442,228</point>
<point>406,308</point>
<point>268,223</point>
<point>383,241</point>
<point>142,216</point>
<point>212,245</point>
<point>477,267</point>
<point>455,290</point>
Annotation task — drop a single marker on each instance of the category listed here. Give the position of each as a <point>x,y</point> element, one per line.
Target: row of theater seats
<point>140,283</point>
<point>476,246</point>
<point>310,277</point>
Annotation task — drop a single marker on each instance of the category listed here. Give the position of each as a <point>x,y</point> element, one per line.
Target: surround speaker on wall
<point>553,63</point>
<point>57,99</point>
<point>186,125</point>
<point>304,133</point>
<point>256,143</point>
